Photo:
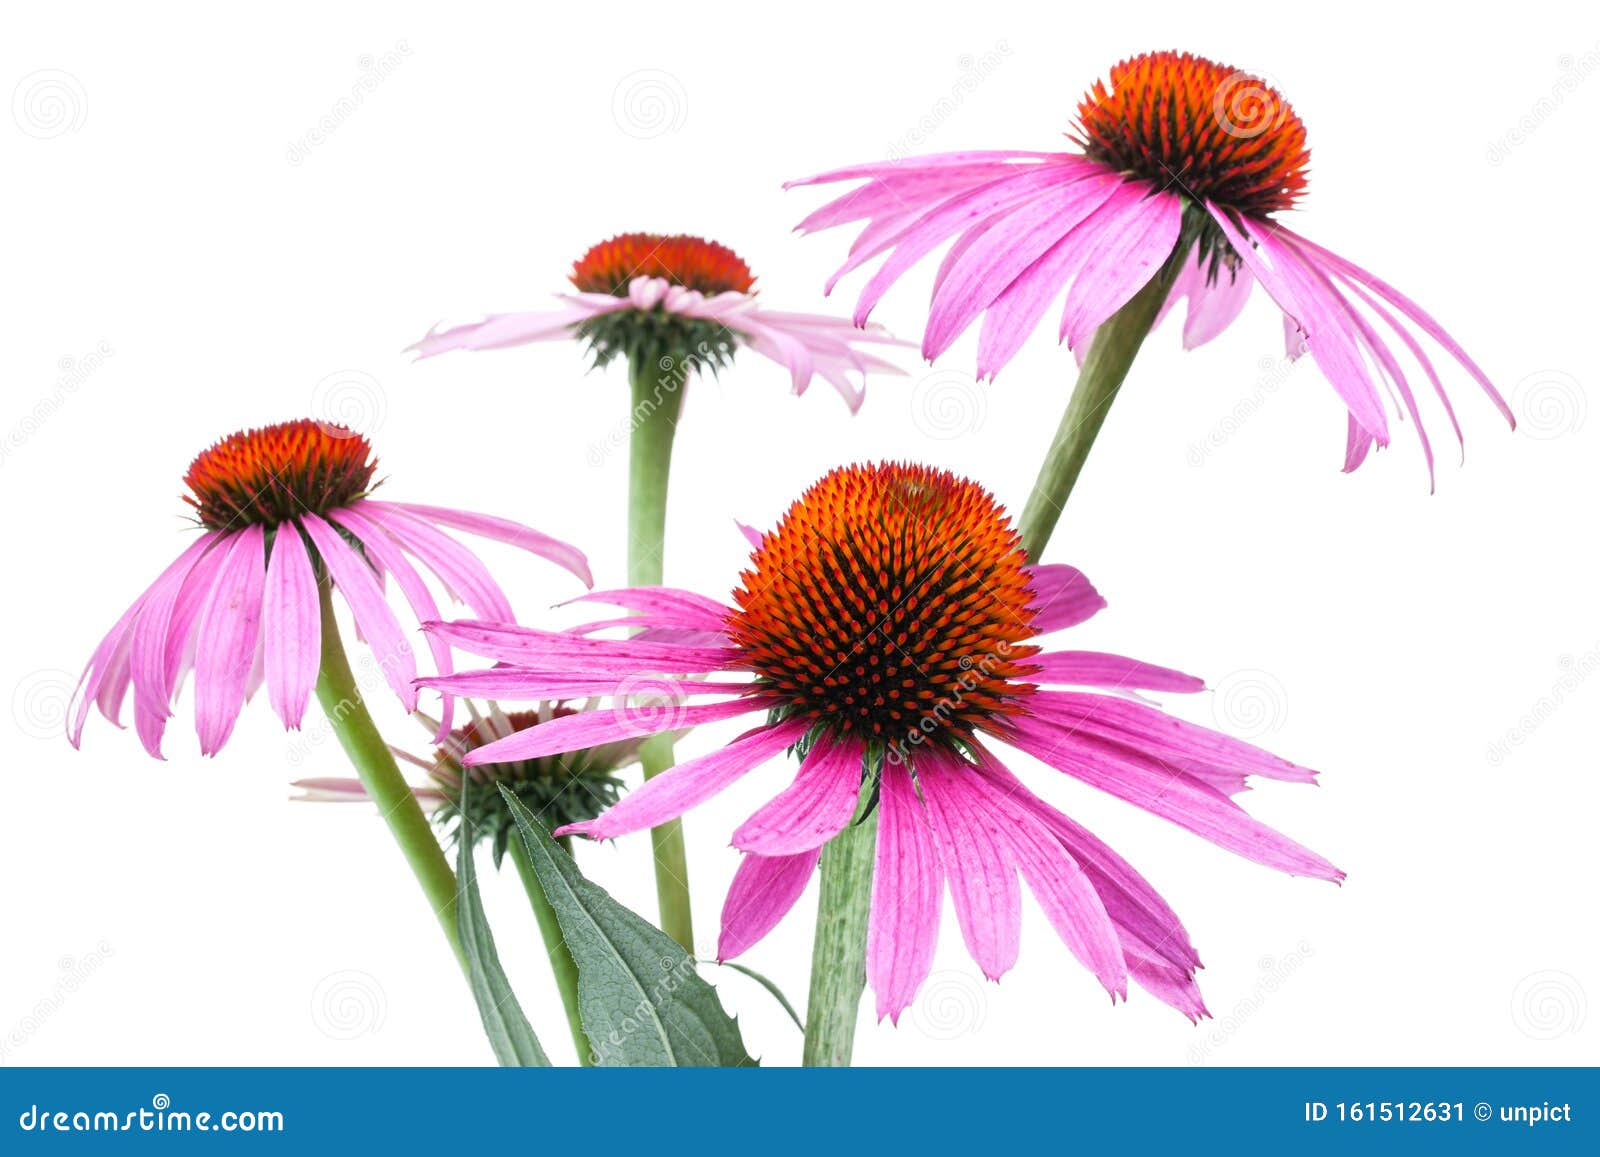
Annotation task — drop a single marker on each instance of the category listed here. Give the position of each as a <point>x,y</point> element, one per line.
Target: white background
<point>168,213</point>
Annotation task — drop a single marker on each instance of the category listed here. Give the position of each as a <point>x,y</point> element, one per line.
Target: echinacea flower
<point>284,510</point>
<point>1174,192</point>
<point>672,306</point>
<point>886,630</point>
<point>651,296</point>
<point>561,789</point>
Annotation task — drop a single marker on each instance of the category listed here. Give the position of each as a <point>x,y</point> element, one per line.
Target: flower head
<point>286,510</point>
<point>1184,164</point>
<point>560,789</point>
<point>887,630</point>
<point>652,296</point>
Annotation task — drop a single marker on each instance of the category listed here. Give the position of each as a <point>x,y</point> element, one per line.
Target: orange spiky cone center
<point>277,473</point>
<point>691,262</point>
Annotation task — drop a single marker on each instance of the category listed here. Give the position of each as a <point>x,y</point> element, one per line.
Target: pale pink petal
<point>558,650</point>
<point>813,809</point>
<point>665,606</point>
<point>519,683</point>
<point>676,790</point>
<point>354,580</point>
<point>588,728</point>
<point>291,623</point>
<point>504,530</point>
<point>499,330</point>
<point>225,645</point>
<point>461,571</point>
<point>763,890</point>
<point>1062,597</point>
<point>907,888</point>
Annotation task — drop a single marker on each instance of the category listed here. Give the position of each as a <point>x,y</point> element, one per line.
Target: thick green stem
<point>657,398</point>
<point>564,968</point>
<point>1111,353</point>
<point>380,775</point>
<point>839,952</point>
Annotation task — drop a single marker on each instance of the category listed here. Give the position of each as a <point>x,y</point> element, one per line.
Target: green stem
<point>380,775</point>
<point>839,952</point>
<point>562,965</point>
<point>657,399</point>
<point>1111,353</point>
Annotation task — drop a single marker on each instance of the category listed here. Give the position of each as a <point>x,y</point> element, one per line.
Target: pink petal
<point>152,668</point>
<point>676,790</point>
<point>763,890</point>
<point>589,728</point>
<point>907,887</point>
<point>813,809</point>
<point>1098,669</point>
<point>503,530</point>
<point>522,684</point>
<point>226,640</point>
<point>291,625</point>
<point>354,580</point>
<point>499,330</point>
<point>1062,597</point>
<point>557,650</point>
<point>461,571</point>
<point>669,606</point>
<point>1122,262</point>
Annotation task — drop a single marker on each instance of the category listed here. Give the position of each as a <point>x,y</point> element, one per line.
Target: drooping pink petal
<point>982,870</point>
<point>907,889</point>
<point>1169,984</point>
<point>1062,597</point>
<point>763,890</point>
<point>291,626</point>
<point>1121,262</point>
<point>1216,296</point>
<point>225,644</point>
<point>387,554</point>
<point>1099,669</point>
<point>461,571</point>
<point>676,790</point>
<point>500,330</point>
<point>588,728</point>
<point>150,671</point>
<point>354,580</point>
<point>96,672</point>
<point>813,809</point>
<point>520,683</point>
<point>1172,795</point>
<point>563,554</point>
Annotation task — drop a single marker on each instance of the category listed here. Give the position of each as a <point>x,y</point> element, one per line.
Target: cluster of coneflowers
<point>886,641</point>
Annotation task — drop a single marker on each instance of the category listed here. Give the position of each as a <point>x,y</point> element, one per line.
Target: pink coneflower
<point>284,508</point>
<point>887,630</point>
<point>649,295</point>
<point>1183,165</point>
<point>672,306</point>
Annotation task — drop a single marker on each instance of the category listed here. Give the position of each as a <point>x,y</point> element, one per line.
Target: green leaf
<point>643,1003</point>
<point>510,1034</point>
